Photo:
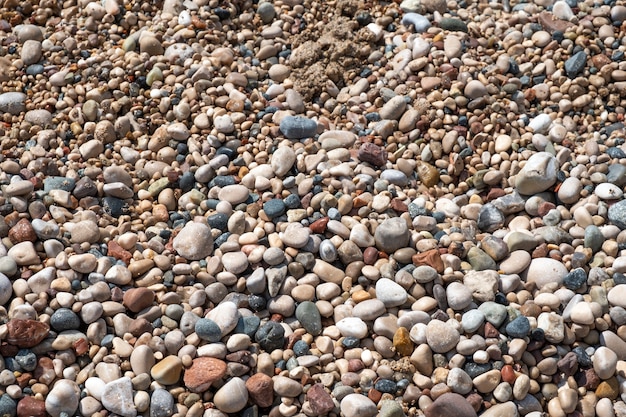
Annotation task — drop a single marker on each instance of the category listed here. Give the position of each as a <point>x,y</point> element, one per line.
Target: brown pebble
<point>508,374</point>
<point>587,378</point>
<point>261,390</point>
<point>319,225</point>
<point>115,250</point>
<point>320,401</point>
<point>136,299</point>
<point>374,395</point>
<point>139,327</point>
<point>431,258</point>
<point>26,333</point>
<point>372,154</point>
<point>31,407</point>
<point>475,401</point>
<point>22,232</point>
<point>370,255</point>
<point>608,389</point>
<point>203,372</point>
<point>491,331</point>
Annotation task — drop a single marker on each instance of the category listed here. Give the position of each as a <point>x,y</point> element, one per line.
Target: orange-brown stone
<point>26,333</point>
<point>136,299</point>
<point>115,250</point>
<point>203,372</point>
<point>261,390</point>
<point>402,342</point>
<point>431,258</point>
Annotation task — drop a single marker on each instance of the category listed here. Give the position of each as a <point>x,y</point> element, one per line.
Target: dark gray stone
<point>298,127</point>
<point>575,64</point>
<point>309,317</point>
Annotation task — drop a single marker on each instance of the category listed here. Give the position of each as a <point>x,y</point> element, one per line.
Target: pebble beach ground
<point>301,208</point>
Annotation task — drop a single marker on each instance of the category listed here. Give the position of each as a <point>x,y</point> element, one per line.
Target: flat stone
<point>12,102</point>
<point>544,271</point>
<point>357,405</point>
<point>117,397</point>
<point>204,371</point>
<point>450,404</point>
<point>538,174</point>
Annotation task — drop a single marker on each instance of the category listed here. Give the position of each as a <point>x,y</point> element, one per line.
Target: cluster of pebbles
<point>303,208</point>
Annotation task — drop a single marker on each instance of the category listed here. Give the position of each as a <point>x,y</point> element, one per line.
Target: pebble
<point>232,397</point>
<point>450,404</point>
<point>284,216</point>
<point>298,127</point>
<point>194,241</point>
<point>12,102</point>
<point>441,337</point>
<point>420,23</point>
<point>538,174</point>
<point>353,405</point>
<point>63,398</point>
<point>117,397</point>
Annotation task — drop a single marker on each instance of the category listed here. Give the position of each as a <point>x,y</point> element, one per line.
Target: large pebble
<point>12,102</point>
<point>357,405</point>
<point>63,398</point>
<point>545,271</point>
<point>232,397</point>
<point>194,241</point>
<point>538,174</point>
<point>298,127</point>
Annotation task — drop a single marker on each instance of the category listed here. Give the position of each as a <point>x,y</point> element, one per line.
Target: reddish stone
<point>44,367</point>
<point>320,401</point>
<point>551,23</point>
<point>495,193</point>
<point>22,232</point>
<point>8,350</point>
<point>26,333</point>
<point>359,202</point>
<point>600,60</point>
<point>292,339</point>
<point>399,205</point>
<point>81,346</point>
<point>475,401</point>
<point>373,154</point>
<point>115,250</point>
<point>544,208</point>
<point>261,390</point>
<point>431,258</point>
<point>540,252</point>
<point>355,365</point>
<point>319,225</point>
<point>31,407</point>
<point>305,201</point>
<point>241,356</point>
<point>370,255</point>
<point>139,327</point>
<point>374,395</point>
<point>588,379</point>
<point>203,372</point>
<point>568,364</point>
<point>508,374</point>
<point>23,380</point>
<point>136,299</point>
<point>491,331</point>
